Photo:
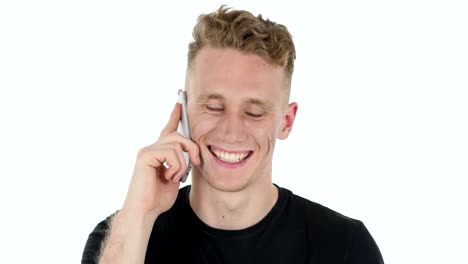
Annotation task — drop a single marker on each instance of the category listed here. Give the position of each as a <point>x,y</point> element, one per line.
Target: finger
<point>182,170</point>
<point>160,156</point>
<point>194,152</point>
<point>173,122</point>
<point>187,145</point>
<point>174,160</point>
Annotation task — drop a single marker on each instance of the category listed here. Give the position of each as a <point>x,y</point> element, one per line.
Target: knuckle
<point>163,132</point>
<point>196,147</point>
<point>176,149</point>
<point>142,152</point>
<point>165,135</point>
<point>183,167</point>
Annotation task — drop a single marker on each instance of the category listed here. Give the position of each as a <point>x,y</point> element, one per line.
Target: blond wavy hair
<point>238,29</point>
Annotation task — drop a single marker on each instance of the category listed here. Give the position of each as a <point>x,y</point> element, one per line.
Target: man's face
<point>237,109</point>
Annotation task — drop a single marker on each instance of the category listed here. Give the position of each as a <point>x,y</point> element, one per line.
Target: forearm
<point>127,239</point>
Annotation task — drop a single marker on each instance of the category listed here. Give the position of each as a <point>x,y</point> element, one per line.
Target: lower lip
<point>231,165</point>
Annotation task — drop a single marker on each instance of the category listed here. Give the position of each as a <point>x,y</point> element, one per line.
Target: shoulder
<point>332,232</point>
<point>316,213</point>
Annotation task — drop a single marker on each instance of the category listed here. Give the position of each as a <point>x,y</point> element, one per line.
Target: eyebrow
<point>206,97</point>
<point>262,104</point>
<point>250,101</point>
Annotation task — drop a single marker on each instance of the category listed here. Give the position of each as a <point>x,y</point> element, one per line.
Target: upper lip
<point>211,148</point>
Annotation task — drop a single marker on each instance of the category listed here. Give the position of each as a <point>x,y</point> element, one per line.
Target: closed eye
<point>254,115</point>
<point>214,109</point>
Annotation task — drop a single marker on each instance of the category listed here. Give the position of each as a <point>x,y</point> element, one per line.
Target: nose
<point>232,129</point>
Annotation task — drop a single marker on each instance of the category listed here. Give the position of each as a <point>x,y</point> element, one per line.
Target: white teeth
<point>230,157</point>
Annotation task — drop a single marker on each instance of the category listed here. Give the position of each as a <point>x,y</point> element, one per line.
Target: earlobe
<point>288,121</point>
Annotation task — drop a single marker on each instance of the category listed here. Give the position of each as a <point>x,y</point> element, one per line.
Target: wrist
<point>128,238</point>
<point>135,218</point>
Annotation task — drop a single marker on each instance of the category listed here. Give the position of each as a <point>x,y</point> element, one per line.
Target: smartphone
<point>184,130</point>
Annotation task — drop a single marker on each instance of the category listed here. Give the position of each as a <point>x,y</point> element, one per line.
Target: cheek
<point>262,132</point>
<point>201,127</point>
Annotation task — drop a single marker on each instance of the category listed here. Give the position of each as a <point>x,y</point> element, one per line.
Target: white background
<point>380,135</point>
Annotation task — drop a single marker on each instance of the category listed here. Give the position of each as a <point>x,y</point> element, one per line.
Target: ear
<point>288,121</point>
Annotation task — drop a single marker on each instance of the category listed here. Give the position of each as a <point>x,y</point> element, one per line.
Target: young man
<point>238,84</point>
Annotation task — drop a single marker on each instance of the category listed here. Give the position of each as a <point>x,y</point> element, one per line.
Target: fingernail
<point>175,179</point>
<point>169,175</point>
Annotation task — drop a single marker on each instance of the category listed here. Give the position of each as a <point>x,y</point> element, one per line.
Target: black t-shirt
<point>296,230</point>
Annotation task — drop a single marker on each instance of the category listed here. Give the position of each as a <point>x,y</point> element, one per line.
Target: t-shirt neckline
<point>260,226</point>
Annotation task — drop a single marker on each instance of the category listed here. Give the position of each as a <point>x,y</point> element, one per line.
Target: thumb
<point>173,122</point>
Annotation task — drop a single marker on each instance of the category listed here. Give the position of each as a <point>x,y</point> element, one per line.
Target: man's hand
<point>153,190</point>
<point>158,170</point>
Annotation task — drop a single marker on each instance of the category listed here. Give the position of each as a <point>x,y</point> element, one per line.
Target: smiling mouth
<point>230,157</point>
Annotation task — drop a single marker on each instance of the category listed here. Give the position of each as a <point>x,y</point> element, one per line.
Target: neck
<point>232,210</point>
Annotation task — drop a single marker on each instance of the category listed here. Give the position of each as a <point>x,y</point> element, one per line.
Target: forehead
<point>230,71</point>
